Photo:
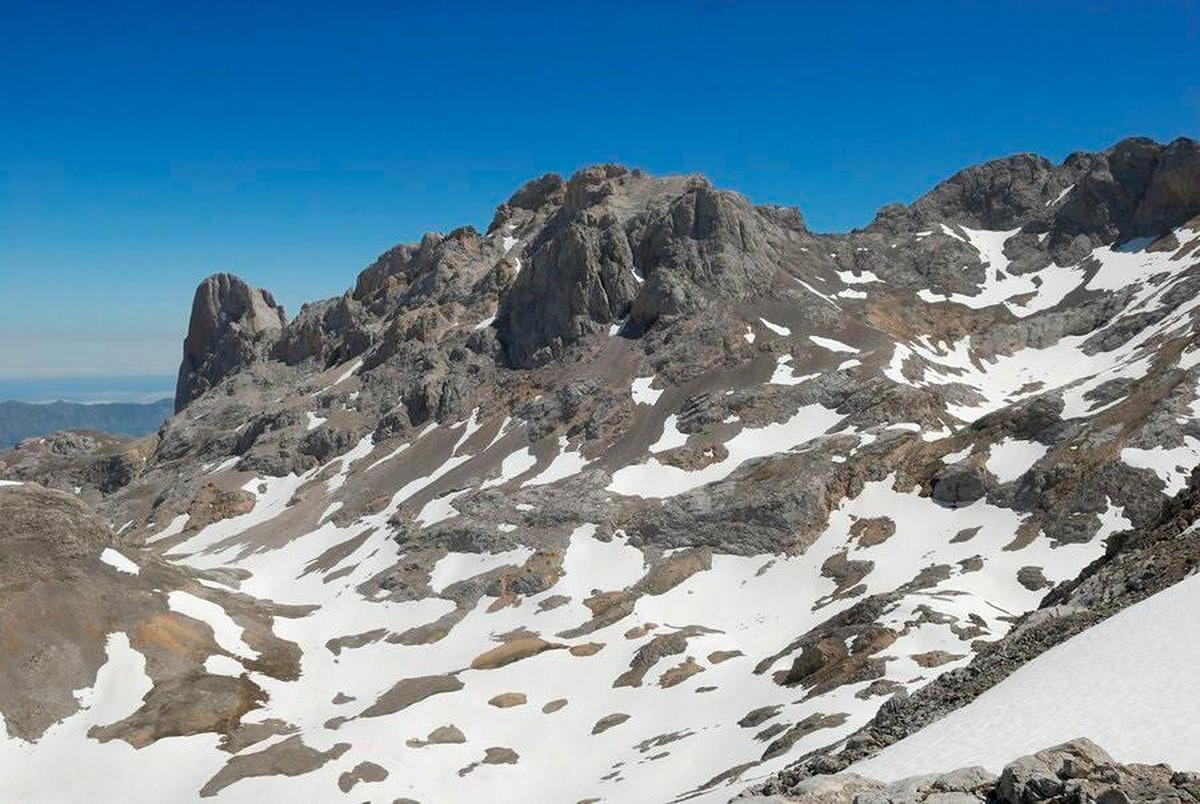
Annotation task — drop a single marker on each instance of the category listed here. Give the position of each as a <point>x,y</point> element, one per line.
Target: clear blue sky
<point>143,146</point>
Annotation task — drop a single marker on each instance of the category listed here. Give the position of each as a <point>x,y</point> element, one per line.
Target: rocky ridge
<point>1076,771</point>
<point>519,466</point>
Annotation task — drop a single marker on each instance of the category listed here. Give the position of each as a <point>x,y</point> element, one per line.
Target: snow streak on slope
<point>655,479</point>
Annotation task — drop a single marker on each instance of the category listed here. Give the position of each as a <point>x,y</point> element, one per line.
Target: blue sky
<point>143,146</point>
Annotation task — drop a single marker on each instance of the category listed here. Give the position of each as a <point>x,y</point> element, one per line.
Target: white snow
<point>118,562</point>
<point>1066,191</point>
<point>227,633</point>
<point>1172,465</point>
<point>228,463</point>
<point>349,372</point>
<point>655,479</point>
<point>513,465</point>
<point>833,345</point>
<point>485,323</point>
<point>671,436</point>
<point>174,528</point>
<point>1012,457</point>
<point>459,566</point>
<point>11,483</point>
<point>1129,683</point>
<point>778,329</point>
<point>439,509</point>
<point>220,665</point>
<point>785,374</point>
<point>642,393</point>
<point>364,447</point>
<point>565,464</point>
<point>1045,288</point>
<point>749,336</point>
<point>861,278</point>
<point>314,421</point>
<point>114,770</point>
<point>955,457</point>
<point>1002,379</point>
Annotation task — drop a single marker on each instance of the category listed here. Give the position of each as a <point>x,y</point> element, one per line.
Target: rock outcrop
<point>1077,771</point>
<point>231,325</point>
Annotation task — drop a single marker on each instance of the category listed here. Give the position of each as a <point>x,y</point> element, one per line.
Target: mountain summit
<point>646,493</point>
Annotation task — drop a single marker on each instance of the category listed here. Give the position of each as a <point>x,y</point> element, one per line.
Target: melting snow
<point>776,328</point>
<point>1173,466</point>
<point>454,567</point>
<point>785,374</point>
<point>655,479</point>
<point>117,561</point>
<point>1129,683</point>
<point>227,633</point>
<point>1012,457</point>
<point>833,345</point>
<point>671,436</point>
<point>643,394</point>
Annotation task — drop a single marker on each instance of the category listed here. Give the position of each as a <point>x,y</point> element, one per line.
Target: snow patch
<point>642,393</point>
<point>776,328</point>
<point>118,562</point>
<point>1010,458</point>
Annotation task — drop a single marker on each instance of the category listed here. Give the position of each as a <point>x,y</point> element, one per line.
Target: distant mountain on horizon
<point>21,420</point>
<point>88,389</point>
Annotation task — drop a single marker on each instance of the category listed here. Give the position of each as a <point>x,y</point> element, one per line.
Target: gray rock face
<point>625,245</point>
<point>959,485</point>
<point>231,325</point>
<point>1136,188</point>
<point>1000,194</point>
<point>1077,771</point>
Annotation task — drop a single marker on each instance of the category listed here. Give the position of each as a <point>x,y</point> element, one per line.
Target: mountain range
<point>21,420</point>
<point>649,493</point>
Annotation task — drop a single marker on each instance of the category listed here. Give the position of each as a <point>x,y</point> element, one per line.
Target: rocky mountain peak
<point>231,324</point>
<point>645,437</point>
<point>623,249</point>
<point>1136,188</point>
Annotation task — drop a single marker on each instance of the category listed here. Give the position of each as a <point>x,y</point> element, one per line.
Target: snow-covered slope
<point>1129,683</point>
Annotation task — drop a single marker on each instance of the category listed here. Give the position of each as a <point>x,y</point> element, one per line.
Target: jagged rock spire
<point>231,324</point>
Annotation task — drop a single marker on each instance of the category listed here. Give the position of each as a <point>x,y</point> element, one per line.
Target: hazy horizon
<point>88,389</point>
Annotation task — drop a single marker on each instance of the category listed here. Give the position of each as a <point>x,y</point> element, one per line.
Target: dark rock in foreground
<point>1077,771</point>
